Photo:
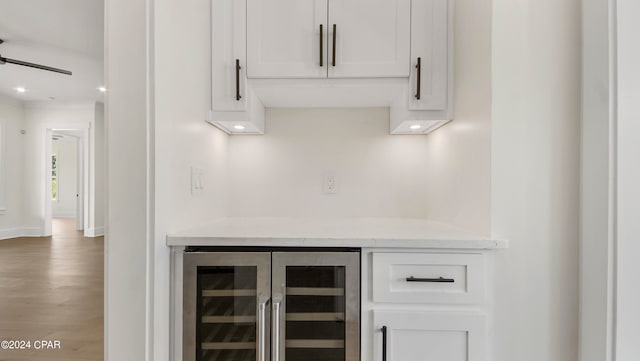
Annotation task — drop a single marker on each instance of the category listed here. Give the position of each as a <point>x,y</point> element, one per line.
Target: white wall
<point>280,174</point>
<point>596,244</point>
<point>182,140</point>
<point>11,160</point>
<point>96,202</point>
<point>459,154</point>
<point>535,177</point>
<point>627,207</point>
<point>129,187</point>
<point>38,118</point>
<point>66,151</point>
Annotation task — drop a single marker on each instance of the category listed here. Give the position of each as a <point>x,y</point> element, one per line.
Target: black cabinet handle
<point>434,280</point>
<point>321,47</point>
<point>333,57</point>
<point>238,97</point>
<point>384,343</point>
<point>419,67</point>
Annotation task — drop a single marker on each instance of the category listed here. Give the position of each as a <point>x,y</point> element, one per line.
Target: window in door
<point>54,177</point>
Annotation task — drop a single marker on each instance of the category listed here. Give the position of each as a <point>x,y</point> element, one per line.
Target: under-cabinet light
<point>415,127</point>
<point>238,127</point>
<point>102,89</point>
<point>20,89</point>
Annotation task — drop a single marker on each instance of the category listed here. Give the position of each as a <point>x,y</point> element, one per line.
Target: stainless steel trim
<point>191,262</point>
<point>351,262</point>
<point>275,332</point>
<point>262,330</point>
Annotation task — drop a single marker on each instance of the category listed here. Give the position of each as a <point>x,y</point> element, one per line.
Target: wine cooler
<point>271,306</point>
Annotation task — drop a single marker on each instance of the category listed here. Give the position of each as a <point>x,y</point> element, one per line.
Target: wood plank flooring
<point>52,289</point>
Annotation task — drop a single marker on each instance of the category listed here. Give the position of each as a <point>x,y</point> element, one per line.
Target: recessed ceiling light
<point>102,89</point>
<point>415,127</point>
<point>239,127</point>
<point>20,89</point>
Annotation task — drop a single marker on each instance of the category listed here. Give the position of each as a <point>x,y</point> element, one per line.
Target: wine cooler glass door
<point>315,306</point>
<point>227,299</point>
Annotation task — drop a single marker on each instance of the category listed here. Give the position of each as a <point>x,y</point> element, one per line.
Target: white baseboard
<point>94,232</point>
<point>20,232</point>
<point>32,232</point>
<point>10,233</point>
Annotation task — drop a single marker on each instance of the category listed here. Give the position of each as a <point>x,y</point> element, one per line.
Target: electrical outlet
<point>329,184</point>
<point>197,181</point>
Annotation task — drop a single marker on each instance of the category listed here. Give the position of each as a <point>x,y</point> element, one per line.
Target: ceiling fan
<point>4,60</point>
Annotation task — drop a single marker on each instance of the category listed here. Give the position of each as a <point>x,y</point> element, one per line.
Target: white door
<point>284,38</point>
<point>430,58</point>
<point>419,336</point>
<point>228,55</point>
<point>372,38</point>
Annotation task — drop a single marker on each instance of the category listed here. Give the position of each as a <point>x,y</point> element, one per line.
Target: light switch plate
<point>197,181</point>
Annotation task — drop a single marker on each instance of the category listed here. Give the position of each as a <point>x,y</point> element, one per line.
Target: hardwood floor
<point>52,289</point>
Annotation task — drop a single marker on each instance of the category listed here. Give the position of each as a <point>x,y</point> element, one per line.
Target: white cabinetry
<point>421,305</point>
<point>228,52</point>
<point>364,38</point>
<point>233,103</point>
<point>283,38</point>
<point>429,48</point>
<point>332,53</point>
<point>419,336</point>
<point>372,38</point>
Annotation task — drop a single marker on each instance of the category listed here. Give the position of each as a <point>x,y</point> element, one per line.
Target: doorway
<point>66,179</point>
<point>66,182</point>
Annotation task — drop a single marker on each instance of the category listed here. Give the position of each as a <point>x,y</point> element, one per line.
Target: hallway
<point>52,289</point>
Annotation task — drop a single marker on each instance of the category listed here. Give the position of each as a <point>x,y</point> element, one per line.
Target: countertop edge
<point>470,244</point>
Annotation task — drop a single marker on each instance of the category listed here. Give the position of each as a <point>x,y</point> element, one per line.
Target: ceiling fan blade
<point>32,65</point>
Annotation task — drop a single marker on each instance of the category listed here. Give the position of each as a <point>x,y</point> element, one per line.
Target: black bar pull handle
<point>419,67</point>
<point>321,47</point>
<point>238,97</point>
<point>433,280</point>
<point>333,56</point>
<point>384,343</point>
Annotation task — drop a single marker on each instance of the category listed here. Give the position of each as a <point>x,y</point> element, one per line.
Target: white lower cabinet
<point>423,305</point>
<point>420,336</point>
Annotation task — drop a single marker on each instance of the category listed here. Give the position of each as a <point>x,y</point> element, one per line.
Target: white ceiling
<point>65,34</point>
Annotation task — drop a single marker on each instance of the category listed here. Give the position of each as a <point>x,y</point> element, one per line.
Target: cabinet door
<point>228,52</point>
<point>316,306</point>
<point>225,306</point>
<point>430,37</point>
<point>372,38</point>
<point>284,38</point>
<point>419,336</point>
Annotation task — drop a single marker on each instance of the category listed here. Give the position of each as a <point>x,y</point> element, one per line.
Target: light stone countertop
<point>343,232</point>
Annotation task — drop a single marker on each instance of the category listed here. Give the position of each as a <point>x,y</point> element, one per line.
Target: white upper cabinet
<point>372,38</point>
<point>429,54</point>
<point>334,38</point>
<point>332,53</point>
<point>284,39</point>
<point>228,59</point>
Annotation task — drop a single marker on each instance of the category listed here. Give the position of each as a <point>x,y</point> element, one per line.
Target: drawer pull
<point>433,280</point>
<point>384,343</point>
<point>238,67</point>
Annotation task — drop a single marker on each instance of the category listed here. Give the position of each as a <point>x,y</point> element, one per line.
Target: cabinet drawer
<point>428,278</point>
